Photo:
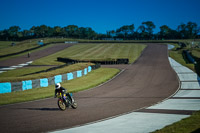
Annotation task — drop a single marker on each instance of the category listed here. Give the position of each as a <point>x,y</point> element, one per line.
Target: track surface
<point>146,82</point>
<point>34,55</point>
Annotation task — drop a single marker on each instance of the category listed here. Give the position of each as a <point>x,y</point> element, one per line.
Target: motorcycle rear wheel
<point>61,105</point>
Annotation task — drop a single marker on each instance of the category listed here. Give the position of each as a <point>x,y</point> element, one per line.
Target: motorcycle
<point>65,102</point>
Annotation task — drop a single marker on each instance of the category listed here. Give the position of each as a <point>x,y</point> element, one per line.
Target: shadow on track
<point>43,109</point>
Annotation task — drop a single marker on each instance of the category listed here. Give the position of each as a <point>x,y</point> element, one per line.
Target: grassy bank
<point>187,125</point>
<point>93,78</point>
<point>99,52</point>
<point>177,56</point>
<point>27,73</point>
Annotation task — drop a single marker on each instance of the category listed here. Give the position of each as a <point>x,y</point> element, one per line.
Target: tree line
<point>145,31</point>
<point>15,33</point>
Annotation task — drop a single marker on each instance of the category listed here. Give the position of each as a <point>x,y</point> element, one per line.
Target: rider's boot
<point>65,101</point>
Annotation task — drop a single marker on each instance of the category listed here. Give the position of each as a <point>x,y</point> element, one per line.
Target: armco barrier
<point>37,83</point>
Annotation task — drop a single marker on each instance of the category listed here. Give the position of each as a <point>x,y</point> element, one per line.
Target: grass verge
<point>187,125</point>
<point>19,74</point>
<point>92,79</point>
<point>177,56</point>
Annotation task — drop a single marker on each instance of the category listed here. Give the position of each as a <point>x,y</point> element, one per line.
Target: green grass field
<point>5,44</point>
<point>177,55</point>
<point>187,125</point>
<point>92,79</point>
<point>7,48</point>
<point>99,51</point>
<point>196,52</point>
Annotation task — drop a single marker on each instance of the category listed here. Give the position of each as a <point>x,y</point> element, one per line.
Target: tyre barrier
<point>109,62</point>
<point>9,87</point>
<point>188,57</point>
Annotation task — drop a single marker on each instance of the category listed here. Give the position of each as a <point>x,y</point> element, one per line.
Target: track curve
<point>34,55</point>
<point>146,82</point>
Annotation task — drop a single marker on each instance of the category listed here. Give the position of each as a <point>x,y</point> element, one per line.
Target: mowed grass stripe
<point>105,50</point>
<point>99,52</point>
<point>87,52</point>
<point>94,53</point>
<point>75,50</point>
<point>70,52</point>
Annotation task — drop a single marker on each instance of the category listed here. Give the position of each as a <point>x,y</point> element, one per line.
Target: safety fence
<point>9,87</point>
<point>105,62</point>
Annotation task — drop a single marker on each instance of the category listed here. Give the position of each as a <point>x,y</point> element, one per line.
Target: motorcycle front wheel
<point>61,105</point>
<point>74,105</point>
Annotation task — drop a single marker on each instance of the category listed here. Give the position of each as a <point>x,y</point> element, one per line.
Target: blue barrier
<point>5,87</point>
<point>70,76</point>
<point>79,73</point>
<point>26,85</point>
<point>44,82</point>
<point>29,84</point>
<point>89,69</point>
<point>85,71</point>
<point>58,78</point>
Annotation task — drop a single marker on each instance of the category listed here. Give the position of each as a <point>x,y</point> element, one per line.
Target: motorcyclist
<point>62,90</point>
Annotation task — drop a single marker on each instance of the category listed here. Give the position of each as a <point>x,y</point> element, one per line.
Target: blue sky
<point>100,15</point>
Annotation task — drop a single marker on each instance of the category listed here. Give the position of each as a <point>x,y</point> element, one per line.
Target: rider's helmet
<point>58,85</point>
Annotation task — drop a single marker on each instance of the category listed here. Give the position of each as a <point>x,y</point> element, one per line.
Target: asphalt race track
<point>34,55</point>
<point>144,83</point>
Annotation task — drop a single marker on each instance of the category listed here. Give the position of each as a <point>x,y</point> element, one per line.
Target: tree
<point>164,32</point>
<point>57,31</point>
<point>126,30</point>
<point>72,31</point>
<point>82,32</point>
<point>149,26</point>
<point>25,34</point>
<point>141,34</point>
<point>192,30</point>
<point>13,32</point>
<point>188,31</point>
<point>32,31</point>
<point>182,30</point>
<point>90,33</point>
<point>4,35</point>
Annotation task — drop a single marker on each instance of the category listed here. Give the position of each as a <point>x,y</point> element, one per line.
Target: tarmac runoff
<point>179,106</point>
<point>5,69</point>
